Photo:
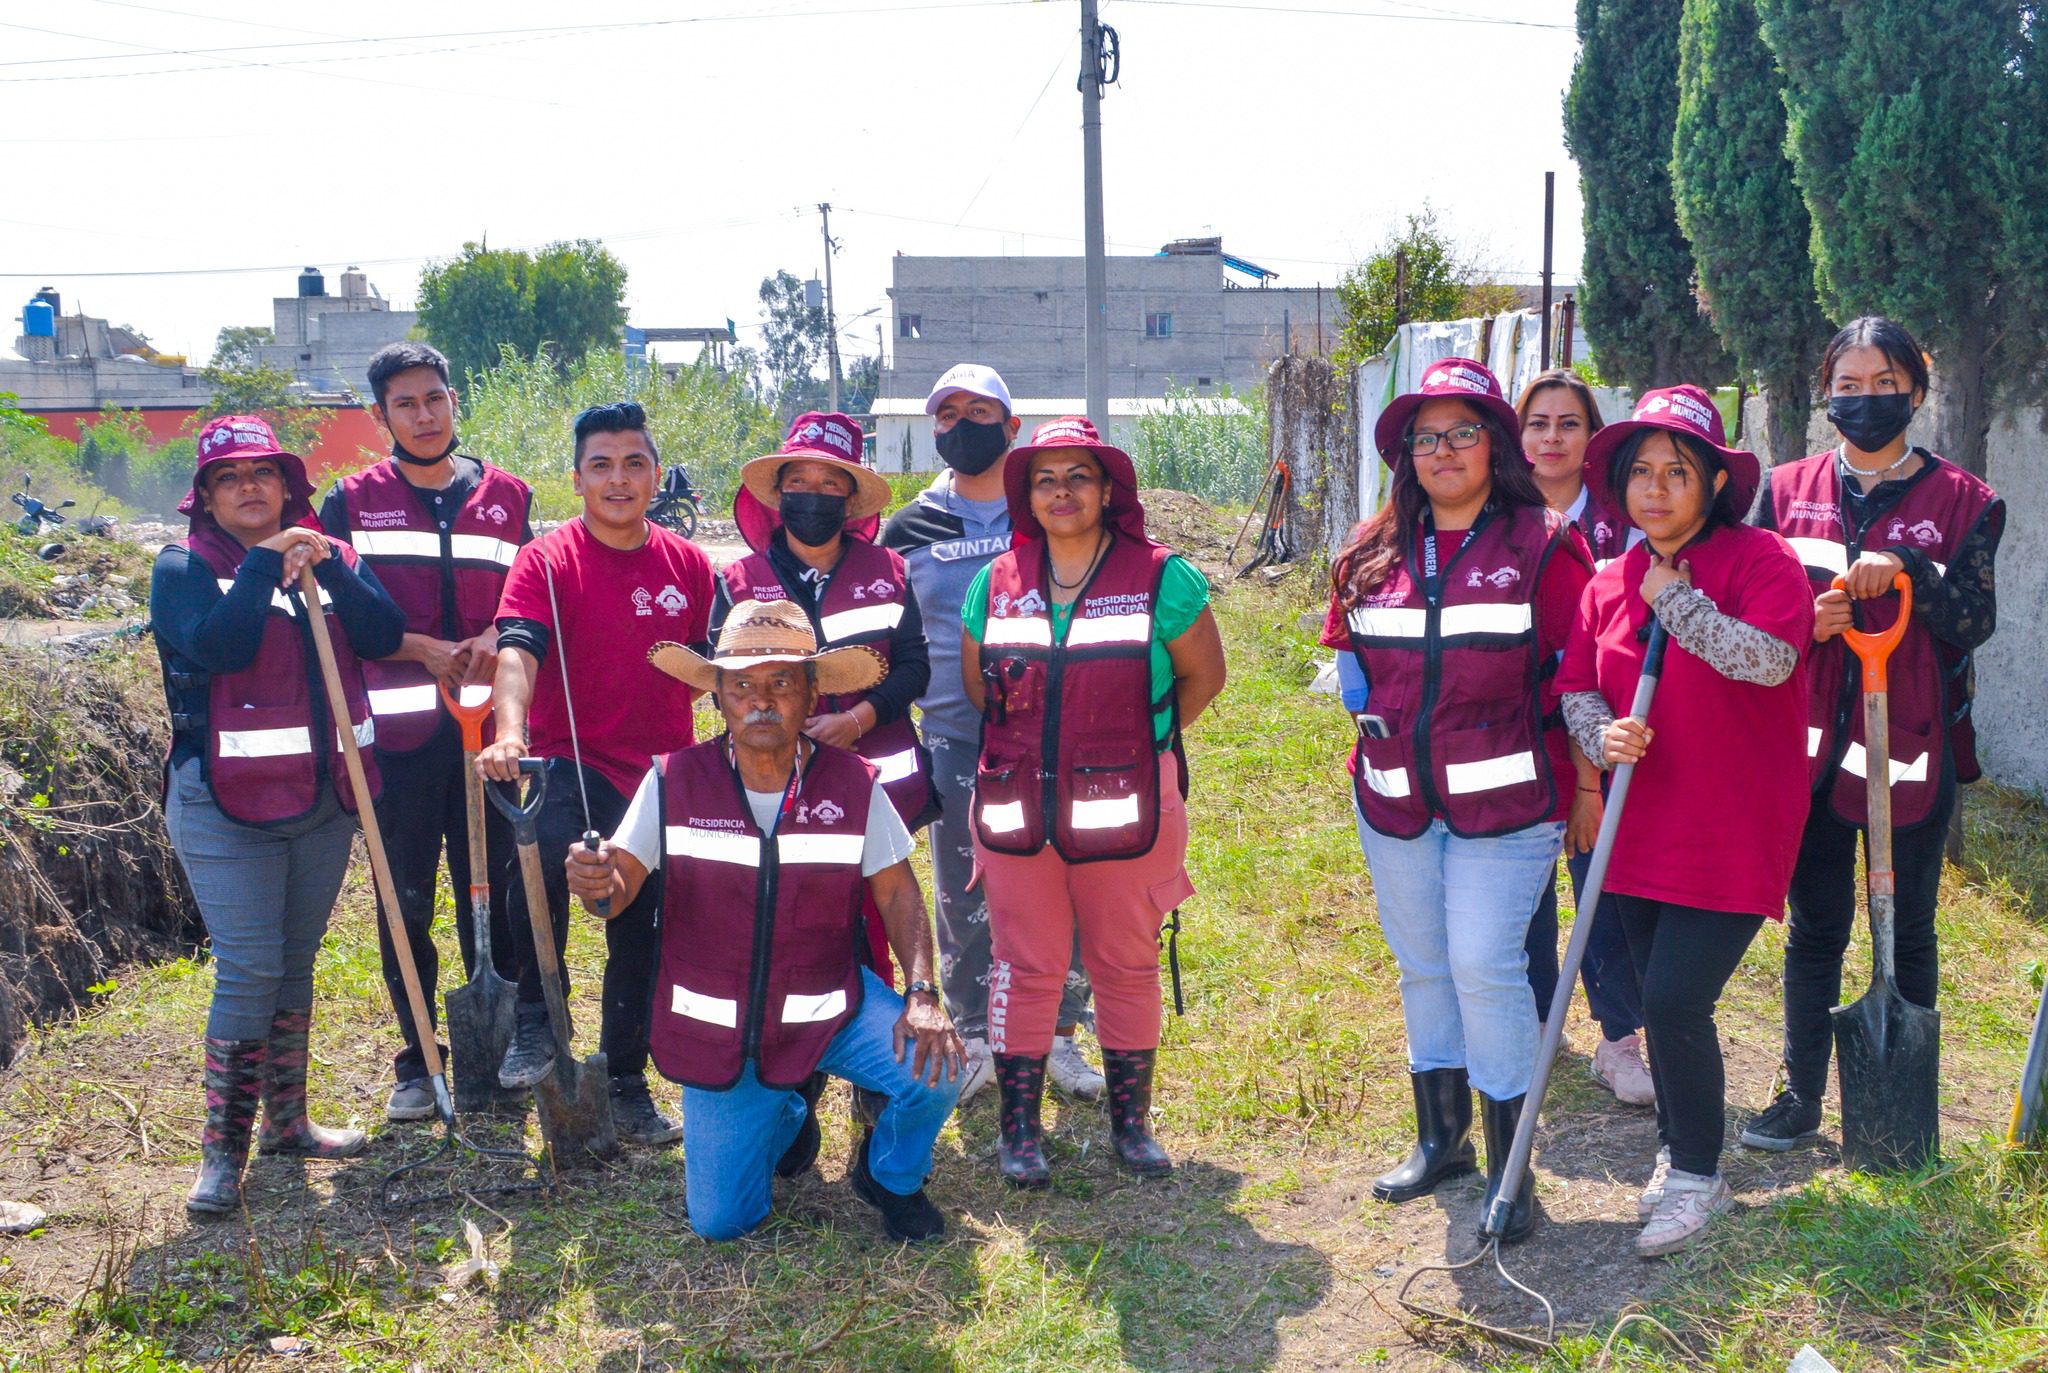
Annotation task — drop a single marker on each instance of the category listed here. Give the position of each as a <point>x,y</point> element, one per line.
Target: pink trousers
<point>1034,904</point>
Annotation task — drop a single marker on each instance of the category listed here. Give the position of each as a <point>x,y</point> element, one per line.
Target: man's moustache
<point>762,717</point>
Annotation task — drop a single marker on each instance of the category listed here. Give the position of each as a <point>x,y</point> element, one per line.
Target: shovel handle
<point>1875,650</point>
<point>471,718</point>
<point>505,796</point>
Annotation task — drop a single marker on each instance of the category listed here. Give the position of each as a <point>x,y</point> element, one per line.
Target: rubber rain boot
<point>1020,1151</point>
<point>1497,1119</point>
<point>234,1081</point>
<point>286,1127</point>
<point>1128,1075</point>
<point>1443,1137</point>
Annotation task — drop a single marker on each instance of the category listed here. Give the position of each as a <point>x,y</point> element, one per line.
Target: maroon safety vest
<point>760,934</point>
<point>259,718</point>
<point>1069,754</point>
<point>862,604</point>
<point>1606,533</point>
<point>1929,682</point>
<point>1455,677</point>
<point>447,584</point>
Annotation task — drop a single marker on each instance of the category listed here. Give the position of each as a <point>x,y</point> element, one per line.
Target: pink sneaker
<point>1618,1064</point>
<point>1688,1204</point>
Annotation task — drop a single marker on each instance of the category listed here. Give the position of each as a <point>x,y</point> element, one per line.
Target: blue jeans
<point>732,1139</point>
<point>1455,912</point>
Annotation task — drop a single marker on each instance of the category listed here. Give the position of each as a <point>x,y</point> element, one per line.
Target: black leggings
<point>1823,902</point>
<point>1684,956</point>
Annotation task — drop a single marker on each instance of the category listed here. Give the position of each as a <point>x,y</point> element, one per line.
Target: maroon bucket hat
<point>1683,410</point>
<point>1126,513</point>
<point>1446,379</point>
<point>239,438</point>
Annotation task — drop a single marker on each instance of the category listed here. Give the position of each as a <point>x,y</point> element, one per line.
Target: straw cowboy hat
<point>818,437</point>
<point>759,632</point>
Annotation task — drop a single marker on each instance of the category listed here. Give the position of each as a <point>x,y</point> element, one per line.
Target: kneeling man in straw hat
<point>766,840</point>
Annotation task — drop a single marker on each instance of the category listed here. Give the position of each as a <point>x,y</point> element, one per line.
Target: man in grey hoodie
<point>945,536</point>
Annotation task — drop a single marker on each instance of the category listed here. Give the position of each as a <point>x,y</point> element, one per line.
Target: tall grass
<point>519,415</point>
<point>1196,444</point>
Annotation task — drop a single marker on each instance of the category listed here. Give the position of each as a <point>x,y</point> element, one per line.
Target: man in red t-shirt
<point>595,594</point>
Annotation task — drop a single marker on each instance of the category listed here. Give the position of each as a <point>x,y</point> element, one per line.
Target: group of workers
<point>764,929</point>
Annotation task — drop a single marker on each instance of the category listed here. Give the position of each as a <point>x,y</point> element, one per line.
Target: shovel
<point>1888,1049</point>
<point>574,1101</point>
<point>401,943</point>
<point>480,1010</point>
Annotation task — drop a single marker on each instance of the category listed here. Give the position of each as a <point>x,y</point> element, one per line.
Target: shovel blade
<point>479,1031</point>
<point>574,1103</point>
<point>1889,1053</point>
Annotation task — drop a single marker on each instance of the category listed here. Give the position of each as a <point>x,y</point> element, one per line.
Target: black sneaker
<point>1786,1123</point>
<point>909,1220</point>
<point>531,1056</point>
<point>802,1152</point>
<point>637,1118</point>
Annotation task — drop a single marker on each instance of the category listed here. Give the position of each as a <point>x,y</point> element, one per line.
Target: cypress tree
<point>1740,208</point>
<point>1917,144</point>
<point>1619,114</point>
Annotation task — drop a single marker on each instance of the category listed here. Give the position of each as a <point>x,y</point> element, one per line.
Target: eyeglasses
<point>1461,437</point>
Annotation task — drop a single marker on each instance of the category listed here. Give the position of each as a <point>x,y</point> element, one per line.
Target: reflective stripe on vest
<point>388,701</point>
<point>285,741</point>
<point>714,1010</point>
<point>1454,621</point>
<point>1857,763</point>
<point>866,619</point>
<point>894,767</point>
<point>1485,774</point>
<point>278,600</point>
<point>414,543</point>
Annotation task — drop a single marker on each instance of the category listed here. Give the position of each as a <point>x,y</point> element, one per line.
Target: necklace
<point>1850,469</point>
<point>1101,545</point>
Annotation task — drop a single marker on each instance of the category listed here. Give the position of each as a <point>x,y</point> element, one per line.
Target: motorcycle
<point>676,506</point>
<point>35,514</point>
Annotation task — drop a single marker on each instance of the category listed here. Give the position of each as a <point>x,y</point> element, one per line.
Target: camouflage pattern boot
<point>234,1078</point>
<point>286,1128</point>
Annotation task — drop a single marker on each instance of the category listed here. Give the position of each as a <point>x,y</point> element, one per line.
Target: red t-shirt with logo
<point>616,605</point>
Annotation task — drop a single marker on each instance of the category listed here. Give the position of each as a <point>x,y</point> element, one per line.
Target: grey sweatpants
<point>965,952</point>
<point>265,895</point>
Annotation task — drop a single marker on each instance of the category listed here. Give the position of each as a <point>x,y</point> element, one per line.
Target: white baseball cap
<point>975,380</point>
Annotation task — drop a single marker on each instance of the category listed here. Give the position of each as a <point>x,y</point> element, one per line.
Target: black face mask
<point>970,448</point>
<point>813,518</point>
<point>1870,422</point>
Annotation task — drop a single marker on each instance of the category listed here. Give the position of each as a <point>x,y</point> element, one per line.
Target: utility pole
<point>831,320</point>
<point>1093,77</point>
<point>1400,287</point>
<point>1549,218</point>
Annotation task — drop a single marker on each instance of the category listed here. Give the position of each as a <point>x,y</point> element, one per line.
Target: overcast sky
<point>696,139</point>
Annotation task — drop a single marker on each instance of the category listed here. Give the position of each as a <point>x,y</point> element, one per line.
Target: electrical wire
<point>1439,17</point>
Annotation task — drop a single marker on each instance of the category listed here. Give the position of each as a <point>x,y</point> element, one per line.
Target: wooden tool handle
<point>373,839</point>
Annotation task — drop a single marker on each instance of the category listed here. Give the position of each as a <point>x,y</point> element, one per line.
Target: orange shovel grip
<point>1875,650</point>
<point>471,718</point>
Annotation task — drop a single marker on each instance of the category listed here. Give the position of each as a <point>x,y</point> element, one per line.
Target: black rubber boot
<point>1443,1137</point>
<point>1127,1074</point>
<point>1497,1119</point>
<point>802,1152</point>
<point>1019,1141</point>
<point>234,1084</point>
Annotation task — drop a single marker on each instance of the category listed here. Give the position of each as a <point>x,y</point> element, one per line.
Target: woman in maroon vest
<point>1086,647</point>
<point>1704,854</point>
<point>1455,599</point>
<point>1559,418</point>
<point>1871,509</point>
<point>257,799</point>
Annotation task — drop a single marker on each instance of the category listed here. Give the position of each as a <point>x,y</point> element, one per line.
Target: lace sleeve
<point>1586,718</point>
<point>1734,648</point>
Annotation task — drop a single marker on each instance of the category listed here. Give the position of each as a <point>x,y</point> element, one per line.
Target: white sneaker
<point>1688,1204</point>
<point>1646,1204</point>
<point>978,1071</point>
<point>1618,1064</point>
<point>1071,1071</point>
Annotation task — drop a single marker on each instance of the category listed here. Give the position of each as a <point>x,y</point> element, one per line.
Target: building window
<point>1159,326</point>
<point>910,326</point>
<point>1201,381</point>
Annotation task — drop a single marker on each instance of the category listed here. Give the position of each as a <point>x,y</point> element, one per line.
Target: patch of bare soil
<point>1191,527</point>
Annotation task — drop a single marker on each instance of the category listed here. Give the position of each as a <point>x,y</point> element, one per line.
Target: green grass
<point>1280,1091</point>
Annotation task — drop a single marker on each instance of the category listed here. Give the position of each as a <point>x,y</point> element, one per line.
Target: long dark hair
<point>1889,337</point>
<point>1379,544</point>
<point>1697,455</point>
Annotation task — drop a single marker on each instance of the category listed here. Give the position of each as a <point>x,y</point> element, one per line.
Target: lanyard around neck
<point>789,789</point>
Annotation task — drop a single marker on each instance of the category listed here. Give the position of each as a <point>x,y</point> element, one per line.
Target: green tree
<point>236,345</point>
<point>857,389</point>
<point>793,346</point>
<point>1741,211</point>
<point>563,301</point>
<point>261,390</point>
<point>1435,280</point>
<point>1640,309</point>
<point>1917,135</point>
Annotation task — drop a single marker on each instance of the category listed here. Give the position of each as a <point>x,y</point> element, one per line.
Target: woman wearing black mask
<point>1870,510</point>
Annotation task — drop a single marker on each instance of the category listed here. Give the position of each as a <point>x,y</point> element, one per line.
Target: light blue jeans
<point>1456,914</point>
<point>732,1139</point>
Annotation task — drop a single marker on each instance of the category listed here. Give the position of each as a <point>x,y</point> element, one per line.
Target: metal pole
<point>1286,334</point>
<point>1400,287</point>
<point>1549,222</point>
<point>1097,337</point>
<point>831,321</point>
<point>1571,312</point>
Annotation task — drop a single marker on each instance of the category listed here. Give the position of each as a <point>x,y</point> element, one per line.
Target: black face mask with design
<point>971,448</point>
<point>1870,422</point>
<point>813,518</point>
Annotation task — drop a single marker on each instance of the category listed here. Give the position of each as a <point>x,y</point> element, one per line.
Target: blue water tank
<point>39,319</point>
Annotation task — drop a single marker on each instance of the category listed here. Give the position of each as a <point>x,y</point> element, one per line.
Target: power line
<point>1436,17</point>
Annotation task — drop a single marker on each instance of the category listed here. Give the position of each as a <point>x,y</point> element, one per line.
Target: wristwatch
<point>921,985</point>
